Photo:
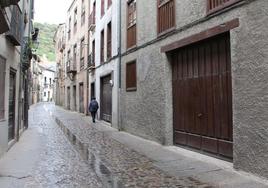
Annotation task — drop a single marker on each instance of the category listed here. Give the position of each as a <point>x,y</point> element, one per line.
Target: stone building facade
<point>104,62</point>
<point>60,46</point>
<point>15,55</point>
<point>76,88</point>
<point>194,74</point>
<point>87,58</point>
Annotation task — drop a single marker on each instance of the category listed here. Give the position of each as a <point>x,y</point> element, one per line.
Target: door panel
<point>202,96</point>
<point>12,102</point>
<point>68,98</point>
<point>74,97</point>
<point>81,98</point>
<point>106,99</point>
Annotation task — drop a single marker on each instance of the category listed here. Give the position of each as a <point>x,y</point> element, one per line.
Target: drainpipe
<point>119,66</point>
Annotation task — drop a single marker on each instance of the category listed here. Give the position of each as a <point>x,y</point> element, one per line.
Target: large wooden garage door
<point>202,96</point>
<point>106,99</point>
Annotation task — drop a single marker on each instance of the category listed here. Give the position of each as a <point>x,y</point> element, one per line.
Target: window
<point>94,12</point>
<point>82,53</point>
<point>75,20</point>
<point>166,15</point>
<point>69,30</point>
<point>215,5</point>
<point>2,87</point>
<point>83,13</point>
<point>109,3</point>
<point>131,76</point>
<point>93,52</point>
<point>68,61</point>
<point>45,80</point>
<point>50,81</point>
<point>74,56</point>
<point>109,40</point>
<point>45,94</point>
<point>131,23</point>
<point>102,46</point>
<point>102,7</point>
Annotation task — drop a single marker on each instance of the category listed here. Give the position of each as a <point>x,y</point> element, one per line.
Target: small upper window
<point>131,23</point>
<point>166,15</point>
<point>131,76</point>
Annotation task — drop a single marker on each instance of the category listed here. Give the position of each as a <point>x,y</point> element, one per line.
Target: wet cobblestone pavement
<point>114,164</point>
<point>60,165</point>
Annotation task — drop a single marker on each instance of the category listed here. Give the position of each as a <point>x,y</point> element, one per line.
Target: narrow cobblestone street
<point>106,163</point>
<point>60,149</point>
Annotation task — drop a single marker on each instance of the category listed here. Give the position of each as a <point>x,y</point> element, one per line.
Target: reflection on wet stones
<point>117,165</point>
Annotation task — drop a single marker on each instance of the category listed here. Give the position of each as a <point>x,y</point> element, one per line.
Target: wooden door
<point>81,98</point>
<point>202,96</point>
<point>12,105</point>
<point>106,99</point>
<point>74,97</point>
<point>92,90</point>
<point>68,98</point>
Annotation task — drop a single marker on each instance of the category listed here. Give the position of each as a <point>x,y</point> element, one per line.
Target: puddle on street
<point>94,162</point>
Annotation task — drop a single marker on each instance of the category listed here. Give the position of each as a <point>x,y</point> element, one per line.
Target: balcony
<point>14,34</point>
<point>71,70</point>
<point>91,21</point>
<point>6,3</point>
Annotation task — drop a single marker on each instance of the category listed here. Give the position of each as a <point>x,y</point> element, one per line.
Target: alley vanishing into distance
<point>178,90</point>
<point>63,149</point>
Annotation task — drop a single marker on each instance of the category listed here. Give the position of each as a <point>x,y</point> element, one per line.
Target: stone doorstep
<point>200,166</point>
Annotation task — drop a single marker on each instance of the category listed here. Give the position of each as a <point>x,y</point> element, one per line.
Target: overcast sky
<point>51,11</point>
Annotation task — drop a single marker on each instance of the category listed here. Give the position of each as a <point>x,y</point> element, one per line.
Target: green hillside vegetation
<point>45,38</point>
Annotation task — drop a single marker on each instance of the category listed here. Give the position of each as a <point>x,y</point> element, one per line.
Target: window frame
<point>131,24</point>
<point>82,52</point>
<point>109,42</point>
<point>75,19</point>
<point>130,88</point>
<point>102,47</point>
<point>160,5</point>
<point>102,8</point>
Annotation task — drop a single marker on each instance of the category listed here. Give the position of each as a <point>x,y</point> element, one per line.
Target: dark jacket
<point>93,106</point>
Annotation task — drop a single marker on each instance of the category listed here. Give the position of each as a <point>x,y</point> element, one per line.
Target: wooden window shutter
<point>131,24</point>
<point>109,40</point>
<point>109,3</point>
<point>102,46</point>
<point>131,76</point>
<point>166,15</point>
<point>93,52</point>
<point>102,7</point>
<point>216,5</point>
<point>2,87</point>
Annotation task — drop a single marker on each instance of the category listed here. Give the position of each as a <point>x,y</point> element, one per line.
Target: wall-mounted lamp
<point>111,83</point>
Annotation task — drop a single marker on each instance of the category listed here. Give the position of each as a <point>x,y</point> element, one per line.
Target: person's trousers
<point>93,115</point>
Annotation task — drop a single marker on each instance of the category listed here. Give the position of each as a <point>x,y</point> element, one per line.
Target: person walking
<point>93,108</point>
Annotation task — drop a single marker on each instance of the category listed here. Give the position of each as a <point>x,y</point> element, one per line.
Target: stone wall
<point>147,112</point>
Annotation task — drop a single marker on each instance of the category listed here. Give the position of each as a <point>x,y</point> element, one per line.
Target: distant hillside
<point>45,38</point>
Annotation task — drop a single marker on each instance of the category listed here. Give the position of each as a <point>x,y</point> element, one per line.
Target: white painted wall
<point>111,15</point>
